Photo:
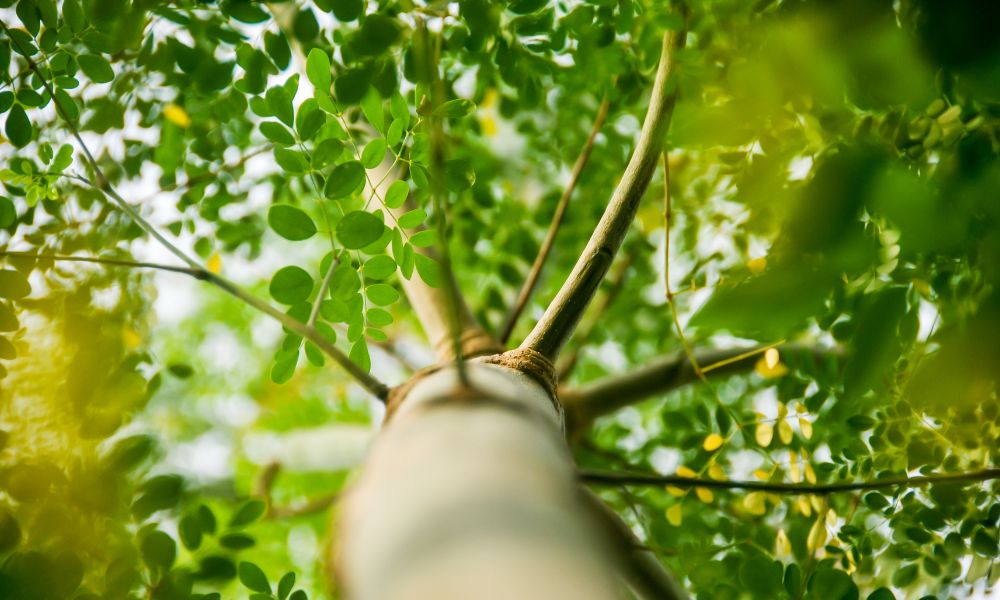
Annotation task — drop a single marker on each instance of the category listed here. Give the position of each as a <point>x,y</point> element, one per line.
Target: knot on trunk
<point>531,363</point>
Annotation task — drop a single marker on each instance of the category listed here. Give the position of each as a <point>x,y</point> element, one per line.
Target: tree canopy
<point>212,215</point>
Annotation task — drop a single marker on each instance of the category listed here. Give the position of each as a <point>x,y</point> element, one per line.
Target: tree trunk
<point>471,494</point>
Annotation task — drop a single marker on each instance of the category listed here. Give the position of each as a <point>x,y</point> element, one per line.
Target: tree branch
<point>585,404</point>
<point>564,312</point>
<point>638,566</point>
<point>376,387</point>
<point>264,485</point>
<point>616,281</point>
<point>557,219</point>
<point>609,478</point>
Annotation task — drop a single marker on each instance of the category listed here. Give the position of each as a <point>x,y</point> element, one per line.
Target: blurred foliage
<point>835,181</point>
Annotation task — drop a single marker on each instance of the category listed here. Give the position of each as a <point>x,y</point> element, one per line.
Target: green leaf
<point>18,127</point>
<point>904,576</point>
<point>189,530</point>
<point>861,422</point>
<point>371,106</point>
<point>290,222</point>
<point>425,238</point>
<point>358,229</point>
<point>13,284</point>
<point>373,153</point>
<point>326,153</point>
<point>279,101</point>
<point>285,585</point>
<point>96,68</point>
<point>382,294</point>
<point>344,180</point>
<point>291,161</point>
<point>360,356</point>
<point>413,218</point>
<point>455,108</point>
<point>397,193</point>
<point>378,317</point>
<point>762,576</point>
<point>236,541</point>
<point>253,577</point>
<point>428,269</point>
<point>875,346</point>
<point>984,543</point>
<point>277,48</point>
<point>277,133</point>
<point>831,584</point>
<point>159,550</point>
<point>768,306</point>
<point>248,512</point>
<point>882,593</point>
<point>347,10</point>
<point>291,285</point>
<point>379,267</point>
<point>318,70</point>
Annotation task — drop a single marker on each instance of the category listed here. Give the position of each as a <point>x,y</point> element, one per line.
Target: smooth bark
<point>471,493</point>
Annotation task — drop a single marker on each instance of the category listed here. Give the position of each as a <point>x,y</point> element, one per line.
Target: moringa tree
<point>707,291</point>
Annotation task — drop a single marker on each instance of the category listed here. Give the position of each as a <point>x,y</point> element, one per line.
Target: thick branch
<point>603,478</point>
<point>265,484</point>
<point>371,384</point>
<point>585,404</point>
<point>563,314</point>
<point>616,282</point>
<point>638,566</point>
<point>557,219</point>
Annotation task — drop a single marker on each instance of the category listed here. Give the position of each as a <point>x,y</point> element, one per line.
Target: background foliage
<point>834,181</point>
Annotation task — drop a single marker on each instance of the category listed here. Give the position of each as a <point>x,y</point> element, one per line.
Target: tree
<point>690,299</point>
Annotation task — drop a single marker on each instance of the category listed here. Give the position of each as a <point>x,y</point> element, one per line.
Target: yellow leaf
<point>214,264</point>
<point>804,506</point>
<point>817,535</point>
<point>781,544</point>
<point>716,472</point>
<point>761,474</point>
<point>782,407</point>
<point>489,98</point>
<point>770,369</point>
<point>754,503</point>
<point>177,115</point>
<point>785,432</point>
<point>488,125</point>
<point>674,491</point>
<point>713,442</point>
<point>793,467</point>
<point>764,434</point>
<point>817,503</point>
<point>757,265</point>
<point>704,494</point>
<point>809,472</point>
<point>674,515</point>
<point>686,472</point>
<point>806,428</point>
<point>131,338</point>
<point>800,408</point>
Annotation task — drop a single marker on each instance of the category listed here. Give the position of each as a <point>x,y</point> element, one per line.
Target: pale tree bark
<point>472,493</point>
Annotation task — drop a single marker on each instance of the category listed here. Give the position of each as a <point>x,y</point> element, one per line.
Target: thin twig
<point>323,287</point>
<point>564,312</point>
<point>557,219</point>
<point>614,478</point>
<point>376,387</point>
<point>114,262</point>
<point>264,486</point>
